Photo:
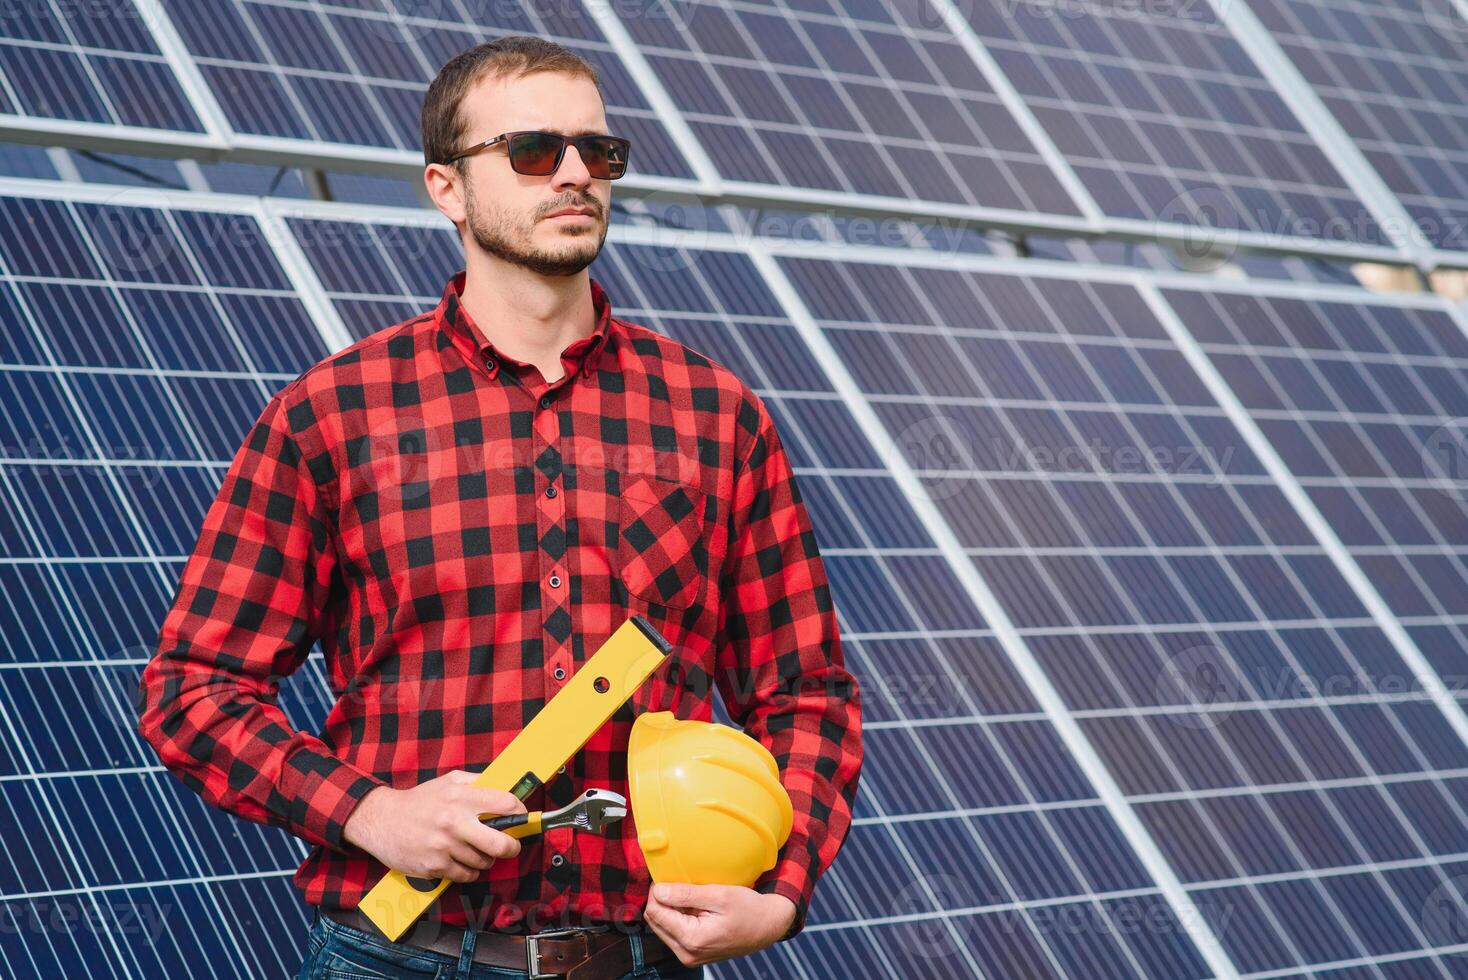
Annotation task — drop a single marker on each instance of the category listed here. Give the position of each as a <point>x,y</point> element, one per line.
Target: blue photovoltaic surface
<point>1365,404</point>
<point>1233,684</point>
<point>1006,854</point>
<point>88,62</point>
<point>1164,116</point>
<point>356,72</point>
<point>842,97</point>
<point>128,378</point>
<point>1395,75</point>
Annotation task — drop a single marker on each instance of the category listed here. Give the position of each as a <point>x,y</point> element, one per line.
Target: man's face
<point>509,214</point>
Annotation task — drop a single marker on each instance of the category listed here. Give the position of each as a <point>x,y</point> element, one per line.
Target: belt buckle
<point>532,948</point>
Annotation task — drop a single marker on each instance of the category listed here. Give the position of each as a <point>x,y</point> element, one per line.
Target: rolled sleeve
<point>780,668</point>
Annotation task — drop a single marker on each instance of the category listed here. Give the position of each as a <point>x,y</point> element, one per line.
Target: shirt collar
<point>584,353</point>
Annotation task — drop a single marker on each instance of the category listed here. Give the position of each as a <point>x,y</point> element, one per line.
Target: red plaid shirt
<point>461,535</point>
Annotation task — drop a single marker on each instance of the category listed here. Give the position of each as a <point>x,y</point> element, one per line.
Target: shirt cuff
<point>325,793</point>
<point>791,877</point>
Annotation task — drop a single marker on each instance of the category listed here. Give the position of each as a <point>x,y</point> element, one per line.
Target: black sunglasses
<point>538,154</point>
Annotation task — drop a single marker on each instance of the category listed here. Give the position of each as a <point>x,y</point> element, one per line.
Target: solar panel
<point>1393,76</point>
<point>1364,403</point>
<point>353,74</point>
<point>97,63</point>
<point>1141,555</point>
<point>844,98</point>
<point>1165,117</point>
<point>137,344</point>
<point>1233,683</point>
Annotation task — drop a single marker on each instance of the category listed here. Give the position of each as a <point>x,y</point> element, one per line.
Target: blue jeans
<point>338,952</point>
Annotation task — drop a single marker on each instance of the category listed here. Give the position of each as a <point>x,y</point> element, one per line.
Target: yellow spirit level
<point>557,732</point>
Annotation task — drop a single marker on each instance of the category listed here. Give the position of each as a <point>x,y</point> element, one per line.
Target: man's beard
<point>496,233</point>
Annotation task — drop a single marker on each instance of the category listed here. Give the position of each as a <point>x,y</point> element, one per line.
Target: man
<point>463,507</point>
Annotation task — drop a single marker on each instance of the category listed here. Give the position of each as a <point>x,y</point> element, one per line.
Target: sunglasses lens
<point>604,156</point>
<point>534,154</point>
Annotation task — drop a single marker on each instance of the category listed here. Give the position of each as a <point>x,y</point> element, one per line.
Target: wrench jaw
<point>592,811</point>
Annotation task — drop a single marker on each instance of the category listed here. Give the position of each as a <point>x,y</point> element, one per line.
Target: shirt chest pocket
<point>662,552</point>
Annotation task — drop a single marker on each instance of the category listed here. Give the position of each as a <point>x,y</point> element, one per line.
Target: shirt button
<point>489,363</point>
<point>557,860</point>
<point>555,581</point>
<point>545,401</point>
<point>550,491</point>
<point>562,770</point>
<point>559,673</point>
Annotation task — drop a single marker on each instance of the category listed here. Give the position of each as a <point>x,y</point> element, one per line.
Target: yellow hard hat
<point>706,799</point>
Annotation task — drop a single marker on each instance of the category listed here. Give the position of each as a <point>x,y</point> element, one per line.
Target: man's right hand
<point>433,830</point>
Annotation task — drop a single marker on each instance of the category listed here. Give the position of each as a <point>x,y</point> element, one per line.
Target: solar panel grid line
<point>792,104</point>
<point>88,67</point>
<point>1234,760</point>
<point>71,853</point>
<point>706,174</point>
<point>795,434</point>
<point>797,121</point>
<point>964,34</point>
<point>1391,74</point>
<point>270,61</point>
<point>336,84</point>
<point>1135,833</point>
<point>273,216</point>
<point>124,502</point>
<point>165,35</point>
<point>1085,69</point>
<point>1406,648</point>
<point>926,135</point>
<point>1421,665</point>
<point>99,78</point>
<point>328,26</point>
<point>1300,761</point>
<point>151,557</point>
<point>762,382</point>
<point>1325,129</point>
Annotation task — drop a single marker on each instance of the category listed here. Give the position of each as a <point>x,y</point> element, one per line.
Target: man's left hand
<point>707,923</point>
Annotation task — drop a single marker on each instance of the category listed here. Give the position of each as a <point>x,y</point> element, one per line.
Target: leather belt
<point>586,953</point>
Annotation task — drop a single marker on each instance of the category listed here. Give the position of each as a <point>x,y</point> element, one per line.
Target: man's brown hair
<point>506,57</point>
